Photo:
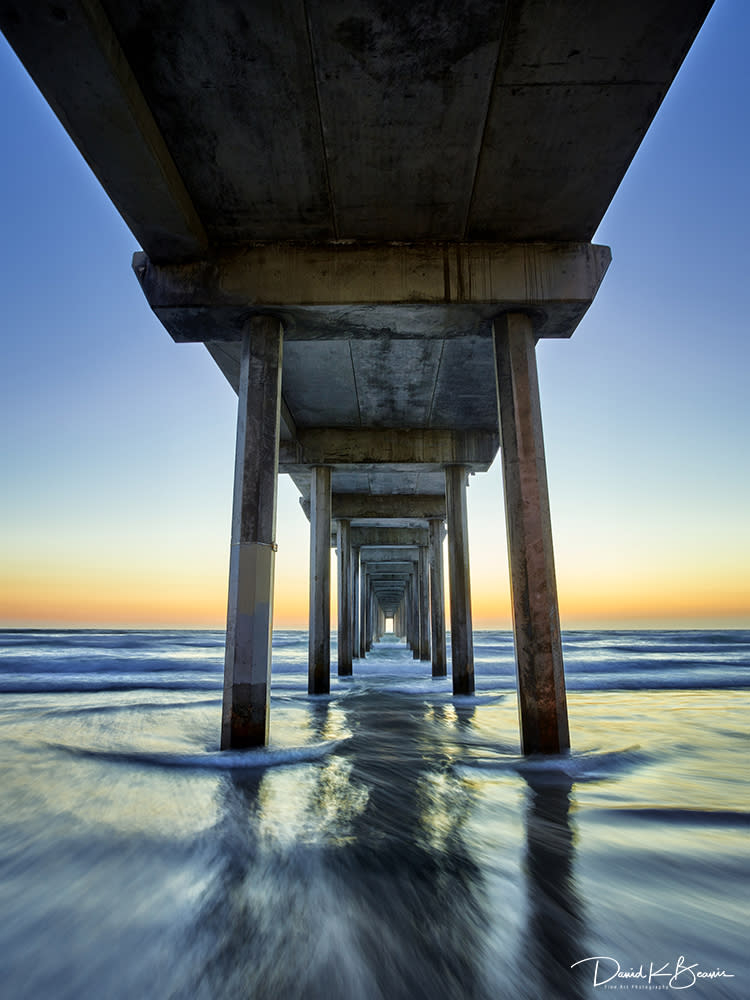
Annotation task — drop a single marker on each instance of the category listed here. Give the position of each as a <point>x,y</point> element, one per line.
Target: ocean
<point>391,842</point>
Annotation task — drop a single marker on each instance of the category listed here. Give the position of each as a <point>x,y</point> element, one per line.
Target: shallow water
<point>391,842</point>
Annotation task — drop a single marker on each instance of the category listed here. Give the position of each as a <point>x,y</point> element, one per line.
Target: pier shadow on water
<point>359,877</point>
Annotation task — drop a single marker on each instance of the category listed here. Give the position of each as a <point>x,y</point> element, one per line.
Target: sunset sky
<point>117,446</point>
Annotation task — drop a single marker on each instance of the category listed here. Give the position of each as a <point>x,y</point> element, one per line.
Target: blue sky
<point>116,445</point>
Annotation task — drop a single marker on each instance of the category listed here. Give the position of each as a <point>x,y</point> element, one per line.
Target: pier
<point>370,217</point>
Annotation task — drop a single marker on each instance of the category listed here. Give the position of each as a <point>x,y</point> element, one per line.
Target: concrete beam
<point>383,536</point>
<point>400,507</point>
<point>388,448</point>
<point>361,505</point>
<point>349,290</point>
<point>390,571</point>
<point>379,554</point>
<point>247,663</point>
<point>109,120</point>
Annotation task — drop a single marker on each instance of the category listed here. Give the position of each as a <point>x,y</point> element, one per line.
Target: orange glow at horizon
<point>121,599</point>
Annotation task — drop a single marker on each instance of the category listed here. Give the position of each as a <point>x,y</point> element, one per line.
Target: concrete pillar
<point>319,665</point>
<point>462,643</point>
<point>437,604</point>
<point>247,662</point>
<point>424,603</point>
<point>355,602</point>
<point>363,612</point>
<point>414,610</point>
<point>536,620</point>
<point>345,594</point>
<point>370,616</point>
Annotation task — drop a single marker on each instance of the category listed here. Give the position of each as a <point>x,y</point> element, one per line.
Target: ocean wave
<point>72,684</point>
<point>545,769</point>
<point>258,758</point>
<point>131,706</point>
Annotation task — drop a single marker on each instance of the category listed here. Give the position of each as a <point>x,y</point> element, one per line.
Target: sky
<point>117,445</point>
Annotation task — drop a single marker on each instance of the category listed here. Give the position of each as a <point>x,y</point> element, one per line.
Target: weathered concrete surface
<point>354,120</point>
<point>379,535</point>
<point>404,506</point>
<point>319,661</point>
<point>536,620</point>
<point>388,449</point>
<point>247,664</point>
<point>358,291</point>
<point>459,578</point>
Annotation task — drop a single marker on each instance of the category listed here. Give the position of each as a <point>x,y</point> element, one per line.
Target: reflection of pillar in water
<point>555,931</point>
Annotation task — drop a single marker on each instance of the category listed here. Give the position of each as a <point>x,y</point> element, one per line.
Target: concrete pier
<point>247,663</point>
<point>319,665</point>
<point>388,233</point>
<point>536,620</point>
<point>462,642</point>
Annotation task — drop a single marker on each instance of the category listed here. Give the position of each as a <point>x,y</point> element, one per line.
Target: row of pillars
<point>415,597</point>
<point>538,646</point>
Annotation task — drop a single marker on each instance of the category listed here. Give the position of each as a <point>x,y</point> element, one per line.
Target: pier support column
<point>345,594</point>
<point>414,603</point>
<point>247,662</point>
<point>437,601</point>
<point>536,620</point>
<point>370,616</point>
<point>424,603</point>
<point>355,602</point>
<point>462,642</point>
<point>363,612</point>
<point>319,664</point>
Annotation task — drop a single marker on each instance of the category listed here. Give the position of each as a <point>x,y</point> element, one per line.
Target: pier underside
<point>370,213</point>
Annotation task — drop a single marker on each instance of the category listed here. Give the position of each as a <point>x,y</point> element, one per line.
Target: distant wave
<point>80,660</point>
<point>56,684</point>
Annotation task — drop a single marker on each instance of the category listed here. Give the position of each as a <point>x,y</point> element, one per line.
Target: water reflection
<point>555,925</point>
<point>355,877</point>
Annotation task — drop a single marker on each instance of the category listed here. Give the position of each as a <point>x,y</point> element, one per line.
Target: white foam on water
<point>220,760</point>
<point>553,768</point>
